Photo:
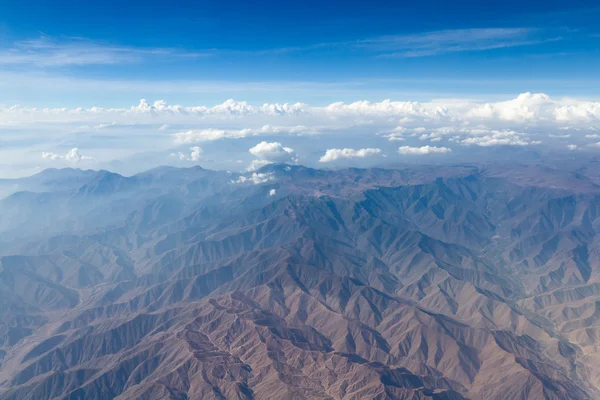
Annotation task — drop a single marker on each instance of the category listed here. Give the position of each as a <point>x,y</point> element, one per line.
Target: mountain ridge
<point>461,282</point>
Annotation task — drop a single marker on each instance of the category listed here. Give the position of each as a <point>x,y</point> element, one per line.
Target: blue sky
<point>435,60</point>
<point>422,49</point>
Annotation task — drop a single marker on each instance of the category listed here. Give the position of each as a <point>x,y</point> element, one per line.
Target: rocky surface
<point>478,282</point>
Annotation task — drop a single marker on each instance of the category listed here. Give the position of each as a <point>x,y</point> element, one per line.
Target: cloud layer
<point>72,155</point>
<point>337,154</point>
<point>423,150</point>
<point>295,132</point>
<point>527,108</point>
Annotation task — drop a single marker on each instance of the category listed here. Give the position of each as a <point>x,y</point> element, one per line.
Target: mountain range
<point>416,282</point>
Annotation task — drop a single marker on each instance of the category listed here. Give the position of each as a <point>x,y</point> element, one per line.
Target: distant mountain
<point>49,180</point>
<point>454,282</point>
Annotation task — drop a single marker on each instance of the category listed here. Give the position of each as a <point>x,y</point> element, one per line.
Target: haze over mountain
<point>355,200</point>
<point>467,281</point>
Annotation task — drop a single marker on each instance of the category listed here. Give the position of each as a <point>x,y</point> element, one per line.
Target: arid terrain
<point>455,282</point>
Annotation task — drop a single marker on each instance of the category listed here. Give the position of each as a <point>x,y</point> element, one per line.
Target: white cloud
<point>195,154</point>
<point>432,137</point>
<point>453,41</point>
<point>396,134</point>
<point>51,156</point>
<point>272,192</point>
<point>72,155</point>
<point>572,147</point>
<point>48,52</point>
<point>257,164</point>
<point>578,111</point>
<point>269,153</point>
<point>212,134</point>
<point>202,135</point>
<point>149,126</point>
<point>433,43</point>
<point>380,109</point>
<point>256,178</point>
<point>526,109</point>
<point>298,130</point>
<point>394,137</point>
<point>274,152</point>
<point>499,138</point>
<point>423,150</point>
<point>162,115</point>
<point>336,154</point>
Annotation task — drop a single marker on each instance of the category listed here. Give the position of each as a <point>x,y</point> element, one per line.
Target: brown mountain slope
<point>467,286</point>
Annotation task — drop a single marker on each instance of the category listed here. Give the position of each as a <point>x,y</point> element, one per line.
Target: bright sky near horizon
<point>309,82</point>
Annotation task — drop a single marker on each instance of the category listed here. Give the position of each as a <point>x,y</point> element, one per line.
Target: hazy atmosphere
<point>318,200</point>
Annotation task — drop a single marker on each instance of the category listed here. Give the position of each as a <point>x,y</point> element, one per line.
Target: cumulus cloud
<point>269,153</point>
<point>396,134</point>
<point>272,192</point>
<point>257,164</point>
<point>499,138</point>
<point>72,155</point>
<point>529,108</point>
<point>51,156</point>
<point>195,154</point>
<point>212,134</point>
<point>395,137</point>
<point>163,115</point>
<point>201,135</point>
<point>298,130</point>
<point>432,137</point>
<point>336,154</point>
<point>525,107</point>
<point>480,136</point>
<point>230,107</point>
<point>255,178</point>
<point>572,147</point>
<point>526,119</point>
<point>273,151</point>
<point>423,150</point>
